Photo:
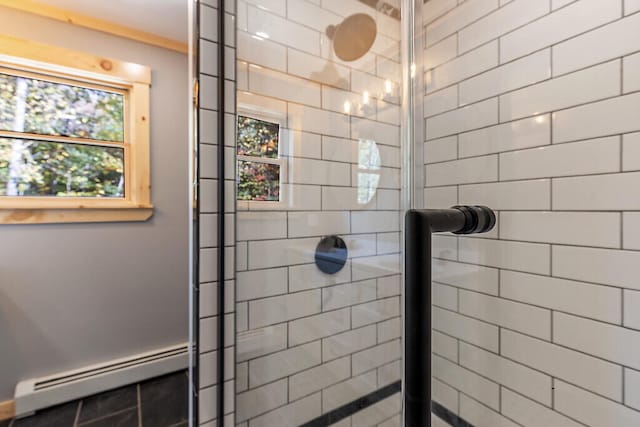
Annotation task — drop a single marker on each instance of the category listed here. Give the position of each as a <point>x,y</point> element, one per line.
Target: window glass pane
<point>257,137</point>
<point>46,108</point>
<point>37,168</point>
<point>258,181</point>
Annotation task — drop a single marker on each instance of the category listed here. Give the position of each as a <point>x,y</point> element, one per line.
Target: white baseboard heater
<point>38,393</point>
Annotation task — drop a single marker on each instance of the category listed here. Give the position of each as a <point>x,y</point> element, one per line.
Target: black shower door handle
<point>420,224</point>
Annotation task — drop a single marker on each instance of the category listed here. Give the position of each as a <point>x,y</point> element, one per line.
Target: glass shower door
<point>319,213</point>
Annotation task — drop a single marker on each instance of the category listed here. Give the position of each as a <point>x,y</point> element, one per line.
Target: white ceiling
<point>166,18</point>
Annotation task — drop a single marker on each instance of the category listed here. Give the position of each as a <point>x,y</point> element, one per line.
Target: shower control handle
<point>420,224</point>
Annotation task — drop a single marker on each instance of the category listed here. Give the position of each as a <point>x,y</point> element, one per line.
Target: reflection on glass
<point>48,108</point>
<point>258,181</point>
<point>257,137</point>
<point>37,168</point>
<point>368,170</point>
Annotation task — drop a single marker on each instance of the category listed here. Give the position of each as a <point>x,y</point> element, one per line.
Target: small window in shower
<point>259,162</point>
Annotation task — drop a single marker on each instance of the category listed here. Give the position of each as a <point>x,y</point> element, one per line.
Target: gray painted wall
<point>77,294</point>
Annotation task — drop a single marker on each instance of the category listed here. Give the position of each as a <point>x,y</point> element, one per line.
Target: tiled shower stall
<point>528,107</point>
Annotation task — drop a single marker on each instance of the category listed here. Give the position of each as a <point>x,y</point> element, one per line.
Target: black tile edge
<point>351,408</point>
<point>447,416</point>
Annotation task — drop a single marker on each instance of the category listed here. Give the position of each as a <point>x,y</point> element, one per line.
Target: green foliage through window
<point>46,108</point>
<point>39,168</point>
<point>258,180</point>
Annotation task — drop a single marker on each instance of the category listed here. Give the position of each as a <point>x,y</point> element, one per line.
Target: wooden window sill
<point>74,215</point>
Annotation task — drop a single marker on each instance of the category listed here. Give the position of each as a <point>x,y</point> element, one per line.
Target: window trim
<point>86,70</point>
<point>281,160</point>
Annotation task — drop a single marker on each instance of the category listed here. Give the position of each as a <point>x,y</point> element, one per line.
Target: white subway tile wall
<point>309,342</point>
<point>209,383</point>
<point>533,108</point>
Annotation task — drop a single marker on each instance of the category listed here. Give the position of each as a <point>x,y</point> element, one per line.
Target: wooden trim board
<point>92,23</point>
<point>7,409</point>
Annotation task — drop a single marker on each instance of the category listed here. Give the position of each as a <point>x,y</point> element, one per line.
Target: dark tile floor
<point>159,402</point>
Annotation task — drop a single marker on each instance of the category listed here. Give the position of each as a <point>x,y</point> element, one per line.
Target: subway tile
<point>308,276</point>
<point>458,18</point>
<point>529,257</point>
<point>581,158</point>
<point>293,414</point>
<point>374,357</point>
<point>389,329</point>
<point>314,68</point>
<point>342,198</point>
<point>524,318</point>
<point>347,391</point>
<point>583,299</point>
<point>342,101</point>
<point>261,225</point>
<point>466,276</point>
<point>440,101</point>
<point>442,149</point>
<point>572,366</point>
<point>599,192</point>
<point>277,253</point>
<point>465,328</point>
<point>348,342</point>
<point>613,343</point>
<point>465,171</point>
<point>481,416</point>
<point>381,133</point>
<point>284,86</point>
<point>283,364</point>
<point>389,286</point>
<point>631,72</point>
<point>375,311</point>
<point>208,23</point>
<point>631,6</point>
<point>300,144</point>
<point>515,376</point>
<point>318,326</point>
<point>462,67</point>
<point>631,309</point>
<point>388,112</point>
<point>440,197</point>
<point>334,297</point>
<point>318,121</point>
<point>567,22</point>
<point>525,133</point>
<point>562,227</point>
<point>257,50</point>
<point>319,378</point>
<point>606,266</point>
<point>525,195</point>
<point>283,31</point>
<point>441,52</point>
<point>528,70</point>
<point>377,413</point>
<point>607,42</point>
<point>311,15</point>
<point>444,246</point>
<point>390,373</point>
<point>466,381</point>
<point>562,92</point>
<point>631,230</point>
<point>319,172</point>
<point>369,222</point>
<point>631,152</point>
<point>261,283</point>
<point>528,413</point>
<point>388,199</point>
<point>436,8</point>
<point>278,309</point>
<point>375,266</point>
<point>259,400</point>
<point>444,345</point>
<point>503,20</point>
<point>632,388</point>
<point>445,395</point>
<point>444,296</point>
<point>304,224</point>
<point>590,409</point>
<point>586,121</point>
<point>471,117</point>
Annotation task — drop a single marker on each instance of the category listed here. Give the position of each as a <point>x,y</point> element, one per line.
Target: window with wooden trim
<point>260,166</point>
<point>74,136</point>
